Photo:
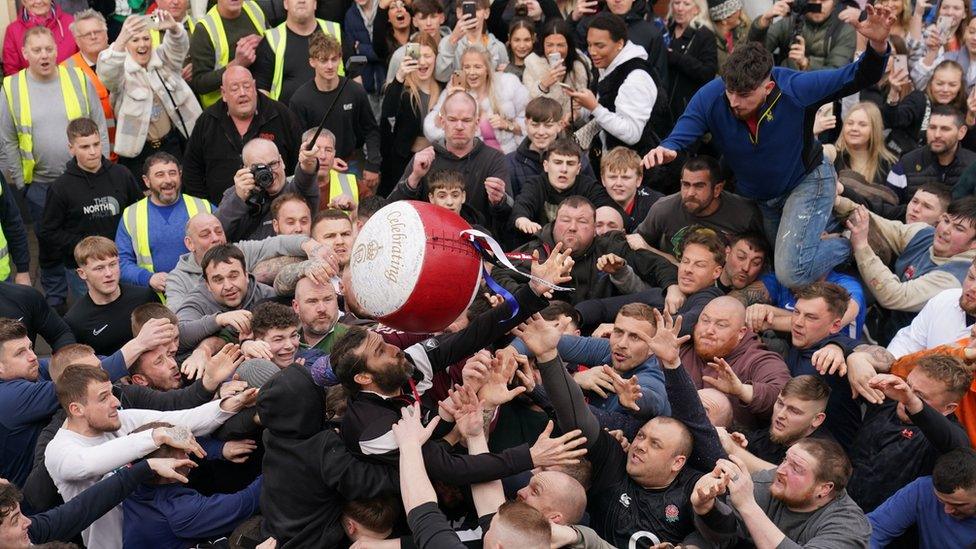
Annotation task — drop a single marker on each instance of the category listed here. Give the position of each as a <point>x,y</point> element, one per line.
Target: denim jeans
<point>51,268</point>
<point>795,222</point>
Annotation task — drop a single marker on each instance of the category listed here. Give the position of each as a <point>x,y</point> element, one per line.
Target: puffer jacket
<point>133,86</point>
<point>13,39</point>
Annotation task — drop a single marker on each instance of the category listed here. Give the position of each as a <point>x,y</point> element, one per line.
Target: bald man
<point>245,208</point>
<point>608,219</point>
<point>725,355</point>
<point>214,150</point>
<point>317,307</point>
<point>204,231</point>
<point>486,177</point>
<point>559,497</point>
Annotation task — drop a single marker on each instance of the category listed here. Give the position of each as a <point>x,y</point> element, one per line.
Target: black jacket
<point>308,473</point>
<point>524,163</point>
<point>921,166</point>
<point>366,425</point>
<point>28,305</point>
<point>692,63</point>
<point>401,123</point>
<point>213,154</point>
<point>637,211</point>
<point>884,440</point>
<point>81,204</point>
<point>539,200</point>
<point>587,282</point>
<point>13,229</point>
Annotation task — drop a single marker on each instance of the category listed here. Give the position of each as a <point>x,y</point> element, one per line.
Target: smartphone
<point>564,85</point>
<point>554,59</point>
<point>153,20</point>
<point>826,110</point>
<point>900,62</point>
<point>412,51</point>
<point>456,79</point>
<point>468,7</point>
<point>944,25</point>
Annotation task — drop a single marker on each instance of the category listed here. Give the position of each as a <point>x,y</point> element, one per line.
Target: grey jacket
<point>241,222</point>
<point>198,312</point>
<point>187,274</point>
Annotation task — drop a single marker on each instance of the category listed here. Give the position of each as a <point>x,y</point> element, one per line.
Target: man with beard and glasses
<point>799,412</point>
<point>800,503</point>
<point>151,236</point>
<point>381,379</point>
<point>703,201</point>
<point>726,355</point>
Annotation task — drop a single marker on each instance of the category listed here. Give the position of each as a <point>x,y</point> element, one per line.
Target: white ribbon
<point>499,253</point>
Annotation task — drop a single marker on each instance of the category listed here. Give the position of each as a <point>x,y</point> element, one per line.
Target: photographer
<point>820,40</point>
<point>245,209</point>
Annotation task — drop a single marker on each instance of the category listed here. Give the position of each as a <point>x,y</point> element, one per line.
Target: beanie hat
<point>721,9</point>
<point>257,371</point>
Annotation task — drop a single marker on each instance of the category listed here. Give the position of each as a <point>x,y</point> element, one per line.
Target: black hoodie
<point>539,200</point>
<point>81,204</point>
<point>308,473</point>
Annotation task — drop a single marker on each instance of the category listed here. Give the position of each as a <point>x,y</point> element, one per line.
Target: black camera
<point>801,7</point>
<point>263,176</point>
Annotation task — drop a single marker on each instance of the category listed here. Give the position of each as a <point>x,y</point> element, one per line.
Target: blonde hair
<point>702,19</point>
<point>877,150</point>
<point>489,77</point>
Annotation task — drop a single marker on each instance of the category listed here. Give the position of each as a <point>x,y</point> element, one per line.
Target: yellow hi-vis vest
<point>4,253</point>
<point>156,37</point>
<point>135,218</point>
<point>343,183</point>
<point>74,90</point>
<point>278,37</point>
<point>214,25</point>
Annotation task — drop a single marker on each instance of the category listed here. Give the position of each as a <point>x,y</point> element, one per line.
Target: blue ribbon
<point>513,304</point>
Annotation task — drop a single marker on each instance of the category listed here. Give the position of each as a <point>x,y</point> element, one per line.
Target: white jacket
<point>133,86</point>
<point>940,321</point>
<point>512,98</point>
<point>537,67</point>
<point>635,100</point>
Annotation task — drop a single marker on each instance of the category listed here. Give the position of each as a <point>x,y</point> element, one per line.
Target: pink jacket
<point>13,40</point>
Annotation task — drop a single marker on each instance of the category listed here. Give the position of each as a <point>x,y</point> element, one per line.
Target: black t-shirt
<point>106,328</point>
<point>296,71</point>
<point>351,120</point>
<point>623,512</point>
<point>27,305</point>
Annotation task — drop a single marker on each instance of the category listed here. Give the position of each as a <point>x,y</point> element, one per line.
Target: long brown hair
<point>877,150</point>
<point>412,82</point>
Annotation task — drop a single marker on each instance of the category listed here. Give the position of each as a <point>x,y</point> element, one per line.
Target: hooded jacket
<point>81,204</point>
<point>628,100</point>
<point>539,200</point>
<point>13,40</point>
<point>587,282</point>
<point>308,473</point>
<point>755,365</point>
<point>476,166</point>
<point>198,312</point>
<point>640,31</point>
<point>526,163</point>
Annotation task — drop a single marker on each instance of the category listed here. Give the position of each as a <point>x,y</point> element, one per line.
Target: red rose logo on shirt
<point>671,513</point>
<point>268,136</point>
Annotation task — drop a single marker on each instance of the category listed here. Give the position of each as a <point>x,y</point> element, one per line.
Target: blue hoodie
<point>783,151</point>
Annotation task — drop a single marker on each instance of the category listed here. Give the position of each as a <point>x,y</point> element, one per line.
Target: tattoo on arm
<point>288,276</point>
<point>487,415</point>
<point>266,270</point>
<point>752,294</point>
<point>880,357</point>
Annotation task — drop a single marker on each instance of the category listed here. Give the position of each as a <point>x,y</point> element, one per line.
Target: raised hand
<point>610,263</point>
<point>898,390</point>
<point>555,270</point>
<point>237,451</point>
<point>169,468</point>
<point>708,488</point>
<point>598,380</point>
<point>178,437</point>
<point>564,450</point>
<point>628,391</point>
<point>658,156</point>
<point>726,380</point>
<point>829,360</point>
<point>527,226</point>
<point>241,400</point>
<point>222,365</point>
<point>666,343</point>
<point>539,336</point>
<point>474,373</point>
<point>410,430</point>
<point>495,391</point>
<point>876,26</point>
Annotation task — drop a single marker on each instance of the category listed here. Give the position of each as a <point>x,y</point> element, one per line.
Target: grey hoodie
<point>198,312</point>
<point>187,274</point>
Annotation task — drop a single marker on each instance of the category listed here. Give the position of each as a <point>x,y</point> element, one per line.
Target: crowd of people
<point>751,230</point>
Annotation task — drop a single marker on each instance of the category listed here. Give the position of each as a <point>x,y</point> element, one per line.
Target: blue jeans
<point>795,222</point>
<point>51,269</point>
<point>76,285</point>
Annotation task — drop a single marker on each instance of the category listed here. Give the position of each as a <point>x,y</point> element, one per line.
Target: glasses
<point>273,165</point>
<point>93,34</point>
